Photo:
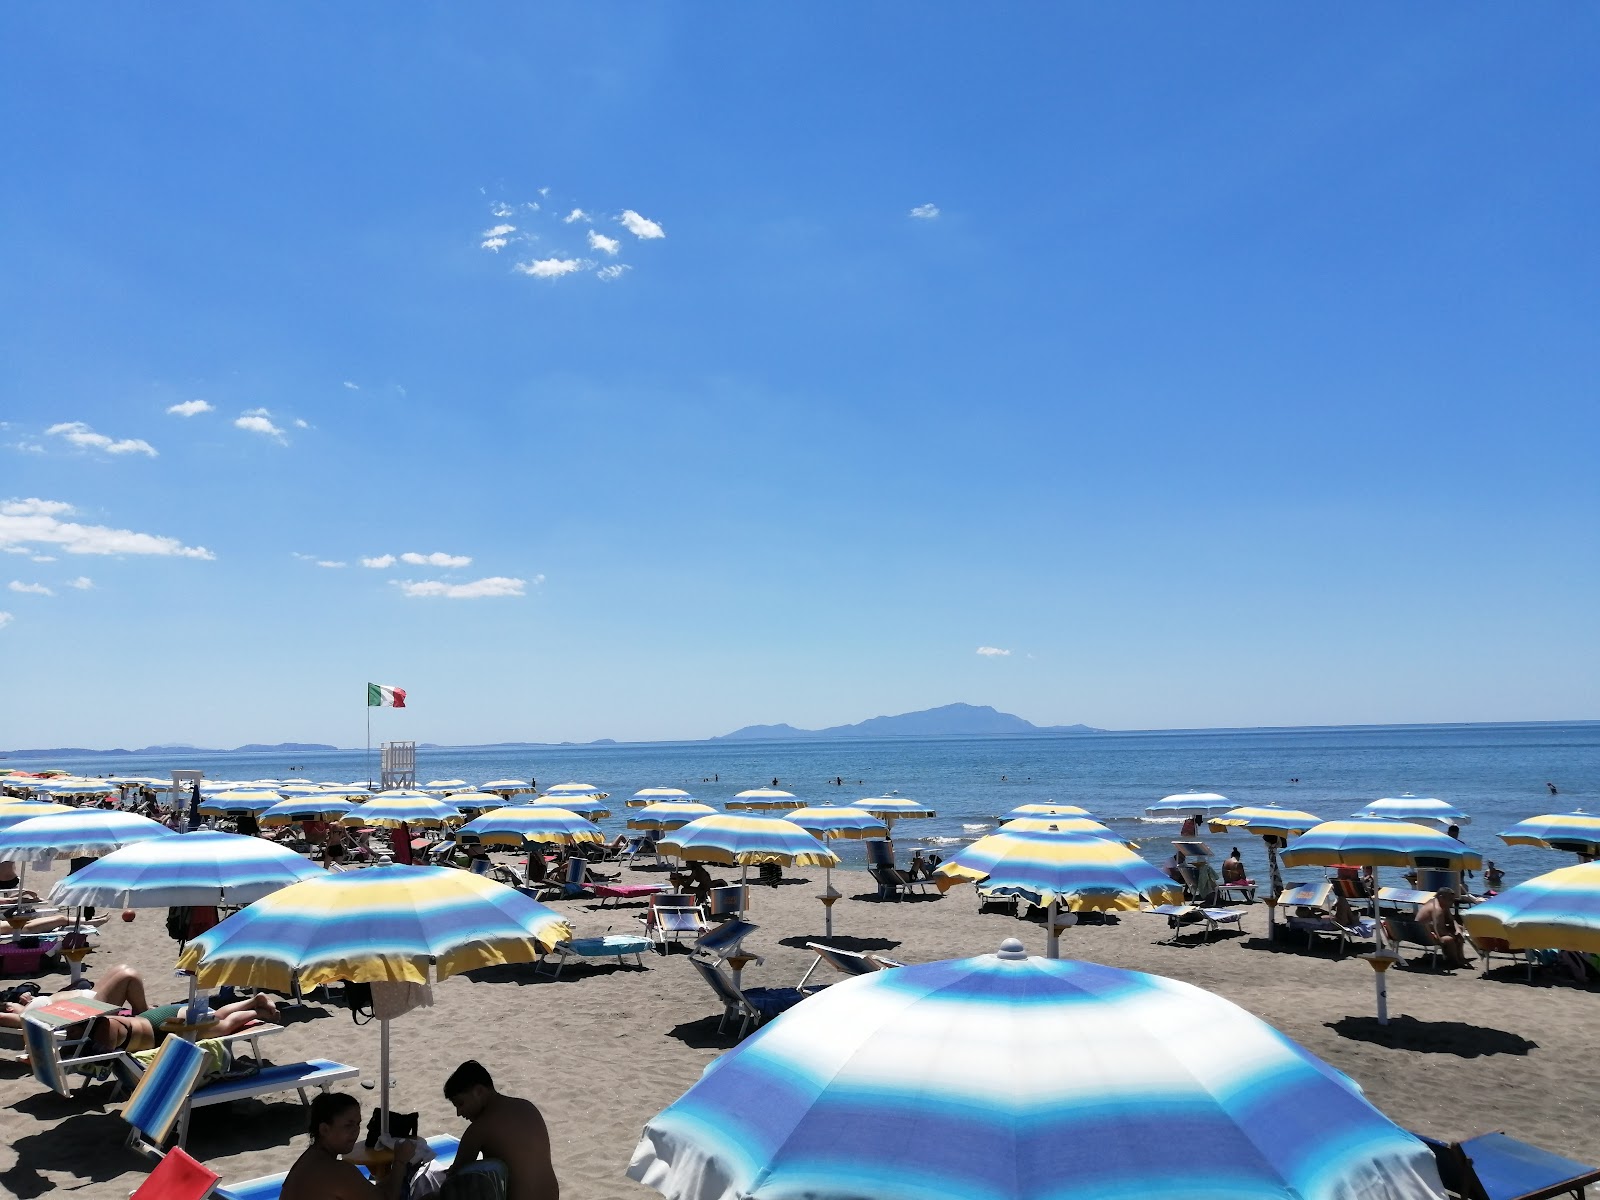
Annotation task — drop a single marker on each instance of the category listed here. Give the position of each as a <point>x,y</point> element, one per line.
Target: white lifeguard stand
<point>399,764</point>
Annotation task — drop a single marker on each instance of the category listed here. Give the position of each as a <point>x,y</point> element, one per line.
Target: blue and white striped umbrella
<point>1576,832</point>
<point>584,806</point>
<point>655,795</point>
<point>195,869</point>
<point>1005,1077</point>
<point>1415,808</point>
<point>1559,910</point>
<point>241,800</point>
<point>13,811</point>
<point>524,823</point>
<point>298,809</point>
<point>80,833</point>
<point>1186,804</point>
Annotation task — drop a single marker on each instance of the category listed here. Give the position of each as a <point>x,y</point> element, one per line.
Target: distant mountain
<point>950,720</point>
<point>257,748</point>
<point>81,752</point>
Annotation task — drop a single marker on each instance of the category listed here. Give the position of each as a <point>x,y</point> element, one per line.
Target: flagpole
<point>369,741</point>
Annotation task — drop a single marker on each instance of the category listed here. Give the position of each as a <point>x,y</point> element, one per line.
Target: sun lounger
<point>1402,933</point>
<point>722,942</point>
<point>1240,891</point>
<point>1404,901</point>
<point>166,1091</point>
<point>638,846</point>
<point>754,1005</point>
<point>849,963</point>
<point>725,902</point>
<point>269,1187</point>
<point>1488,947</point>
<point>672,916</point>
<point>1493,1166</point>
<point>611,945</point>
<point>618,892</point>
<point>1179,915</point>
<point>177,1177</point>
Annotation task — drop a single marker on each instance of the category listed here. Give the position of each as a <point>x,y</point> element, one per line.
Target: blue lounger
<point>268,1187</point>
<point>1493,1166</point>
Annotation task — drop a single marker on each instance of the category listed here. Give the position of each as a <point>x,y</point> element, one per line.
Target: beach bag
<point>358,999</point>
<point>401,1125</point>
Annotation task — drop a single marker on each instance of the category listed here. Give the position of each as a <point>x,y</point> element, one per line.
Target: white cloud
<point>39,558</point>
<point>500,210</point>
<point>299,424</point>
<point>29,447</point>
<point>925,212</point>
<point>29,589</point>
<point>437,559</point>
<point>80,434</point>
<point>5,619</point>
<point>550,268</point>
<point>83,583</point>
<point>640,227</point>
<point>258,421</point>
<point>599,241</point>
<point>495,244</point>
<point>576,214</point>
<point>354,387</point>
<point>494,239</point>
<point>993,652</point>
<point>190,408</point>
<point>499,231</point>
<point>544,191</point>
<point>35,522</point>
<point>614,271</point>
<point>329,563</point>
<point>495,585</point>
<point>380,563</point>
<point>257,412</point>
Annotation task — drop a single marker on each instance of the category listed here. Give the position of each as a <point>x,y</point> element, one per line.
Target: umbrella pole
<point>744,886</point>
<point>383,1077</point>
<point>1052,941</point>
<point>1275,883</point>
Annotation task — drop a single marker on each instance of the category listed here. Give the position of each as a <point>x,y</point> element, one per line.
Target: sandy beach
<point>603,1048</point>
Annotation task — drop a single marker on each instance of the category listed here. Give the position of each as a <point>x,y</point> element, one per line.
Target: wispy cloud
<point>550,268</point>
<point>576,214</point>
<point>38,558</point>
<point>614,271</point>
<point>993,652</point>
<point>381,562</point>
<point>83,583</point>
<point>501,210</point>
<point>495,238</point>
<point>190,408</point>
<point>640,227</point>
<point>259,420</point>
<point>354,387</point>
<point>300,424</point>
<point>599,241</point>
<point>35,522</point>
<point>478,589</point>
<point>5,619</point>
<point>437,559</point>
<point>925,212</point>
<point>499,231</point>
<point>82,436</point>
<point>496,244</point>
<point>330,563</point>
<point>29,589</point>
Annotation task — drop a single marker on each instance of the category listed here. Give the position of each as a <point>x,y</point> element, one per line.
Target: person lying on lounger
<point>322,1174</point>
<point>506,1129</point>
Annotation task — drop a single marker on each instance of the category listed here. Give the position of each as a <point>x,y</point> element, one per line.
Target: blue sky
<point>1206,365</point>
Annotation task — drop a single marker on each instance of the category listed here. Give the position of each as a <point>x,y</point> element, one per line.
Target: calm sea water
<point>1497,773</point>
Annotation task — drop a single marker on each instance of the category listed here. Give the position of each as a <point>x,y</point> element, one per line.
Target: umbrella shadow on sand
<point>524,974</point>
<point>842,942</point>
<point>1433,1037</point>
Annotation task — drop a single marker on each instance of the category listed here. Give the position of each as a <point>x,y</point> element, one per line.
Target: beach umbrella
<point>476,802</point>
<point>828,821</point>
<point>1559,910</point>
<point>351,791</point>
<point>76,833</point>
<point>1054,870</point>
<point>569,790</point>
<point>241,800</point>
<point>297,810</point>
<point>765,800</point>
<point>1576,832</point>
<point>203,868</point>
<point>654,795</point>
<point>1421,809</point>
<point>1046,809</point>
<point>506,787</point>
<point>1007,1077</point>
<point>383,924</point>
<point>12,811</point>
<point>530,823</point>
<point>894,808</point>
<point>670,815</point>
<point>1067,825</point>
<point>584,806</point>
<point>731,838</point>
<point>401,807</point>
<point>447,785</point>
<point>1273,824</point>
<point>1188,803</point>
<point>297,789</point>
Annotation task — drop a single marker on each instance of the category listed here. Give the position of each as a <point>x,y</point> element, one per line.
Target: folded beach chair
<point>168,1090</point>
<point>177,1177</point>
<point>576,883</point>
<point>1493,1166</point>
<point>753,1005</point>
<point>671,916</point>
<point>270,1187</point>
<point>722,942</point>
<point>849,963</point>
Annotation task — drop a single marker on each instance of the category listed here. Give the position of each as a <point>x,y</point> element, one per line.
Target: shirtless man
<point>505,1128</point>
<point>320,1173</point>
<point>1437,915</point>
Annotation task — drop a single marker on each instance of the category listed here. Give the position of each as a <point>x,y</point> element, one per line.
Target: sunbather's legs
<point>233,1017</point>
<point>122,985</point>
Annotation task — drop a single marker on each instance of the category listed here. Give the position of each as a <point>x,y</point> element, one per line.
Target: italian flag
<point>378,695</point>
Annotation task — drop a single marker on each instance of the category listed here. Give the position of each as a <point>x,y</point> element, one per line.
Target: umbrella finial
<point>1011,950</point>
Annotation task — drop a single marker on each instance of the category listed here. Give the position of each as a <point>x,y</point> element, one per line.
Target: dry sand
<point>603,1049</point>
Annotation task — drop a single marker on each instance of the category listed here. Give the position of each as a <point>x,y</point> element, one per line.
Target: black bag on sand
<point>401,1125</point>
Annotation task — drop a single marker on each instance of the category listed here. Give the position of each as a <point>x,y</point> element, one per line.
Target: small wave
<point>1160,820</point>
<point>944,841</point>
<point>979,825</point>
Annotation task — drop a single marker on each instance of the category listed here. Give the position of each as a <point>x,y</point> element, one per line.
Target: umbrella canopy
<point>12,811</point>
<point>507,786</point>
<point>1577,832</point>
<point>530,823</point>
<point>1066,825</point>
<point>654,795</point>
<point>1005,1077</point>
<point>670,815</point>
<point>350,791</point>
<point>825,821</point>
<point>1188,803</point>
<point>1415,808</point>
<point>765,800</point>
<point>195,869</point>
<point>298,809</point>
<point>447,785</point>
<point>1046,809</point>
<point>1267,820</point>
<point>1559,910</point>
<point>894,807</point>
<point>575,789</point>
<point>399,807</point>
<point>77,833</point>
<point>1379,842</point>
<point>241,800</point>
<point>747,842</point>
<point>584,806</point>
<point>476,802</point>
<point>1074,870</point>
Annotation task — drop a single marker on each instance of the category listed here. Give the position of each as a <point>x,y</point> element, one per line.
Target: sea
<point>1497,773</point>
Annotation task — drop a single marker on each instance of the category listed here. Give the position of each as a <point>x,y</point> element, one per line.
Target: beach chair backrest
<point>177,1177</point>
<point>724,939</point>
<point>576,866</point>
<point>730,995</point>
<point>726,901</point>
<point>158,1101</point>
<point>880,853</point>
<point>1434,880</point>
<point>846,962</point>
<point>44,1055</point>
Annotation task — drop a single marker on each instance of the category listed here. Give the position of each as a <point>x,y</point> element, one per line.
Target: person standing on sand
<point>322,1174</point>
<point>506,1129</point>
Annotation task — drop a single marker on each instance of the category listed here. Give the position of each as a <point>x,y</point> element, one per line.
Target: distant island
<point>949,720</point>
